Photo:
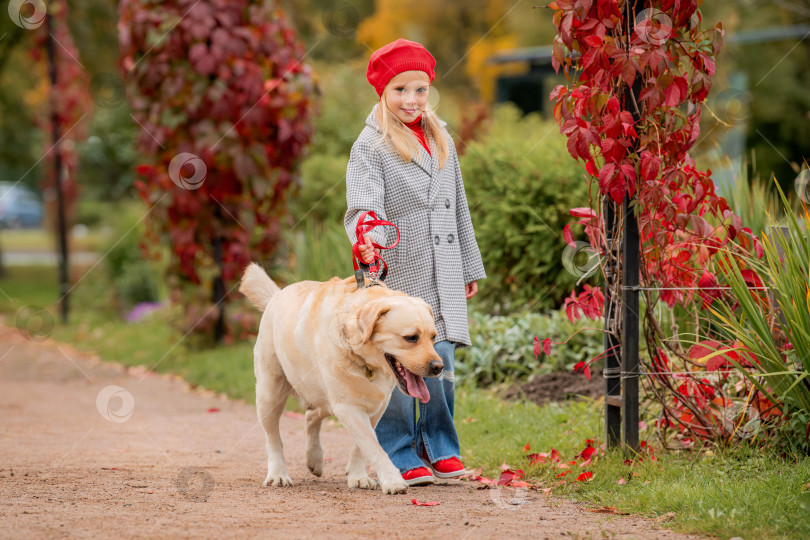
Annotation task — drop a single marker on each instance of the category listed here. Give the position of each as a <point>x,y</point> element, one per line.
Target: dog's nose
<point>436,367</point>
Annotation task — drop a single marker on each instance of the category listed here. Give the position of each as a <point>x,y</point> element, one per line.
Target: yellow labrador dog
<point>341,350</point>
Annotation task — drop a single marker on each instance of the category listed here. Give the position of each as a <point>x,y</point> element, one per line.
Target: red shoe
<point>445,468</point>
<point>418,477</point>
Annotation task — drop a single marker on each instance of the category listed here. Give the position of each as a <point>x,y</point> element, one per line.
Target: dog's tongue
<point>416,387</point>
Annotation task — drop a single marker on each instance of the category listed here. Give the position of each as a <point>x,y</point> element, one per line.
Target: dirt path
<point>162,465</point>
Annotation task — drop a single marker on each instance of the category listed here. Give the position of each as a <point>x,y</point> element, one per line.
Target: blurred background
<point>266,99</point>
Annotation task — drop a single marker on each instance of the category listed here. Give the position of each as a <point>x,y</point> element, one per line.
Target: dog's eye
<point>411,339</point>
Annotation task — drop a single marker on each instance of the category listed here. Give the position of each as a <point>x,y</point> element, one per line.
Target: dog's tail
<point>257,286</point>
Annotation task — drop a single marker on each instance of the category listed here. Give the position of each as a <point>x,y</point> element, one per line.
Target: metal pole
<point>630,318</point>
<point>64,285</point>
<point>218,287</point>
<point>631,254</point>
<point>612,372</point>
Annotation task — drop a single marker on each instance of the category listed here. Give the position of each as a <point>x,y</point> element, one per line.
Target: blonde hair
<point>401,138</point>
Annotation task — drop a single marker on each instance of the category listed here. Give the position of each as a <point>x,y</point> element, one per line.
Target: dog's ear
<point>367,318</point>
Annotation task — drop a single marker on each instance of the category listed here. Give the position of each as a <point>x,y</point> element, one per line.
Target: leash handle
<point>365,226</point>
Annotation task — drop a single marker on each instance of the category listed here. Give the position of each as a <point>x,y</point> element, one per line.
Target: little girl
<point>404,167</point>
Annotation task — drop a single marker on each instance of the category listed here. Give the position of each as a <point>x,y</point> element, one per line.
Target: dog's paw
<point>362,482</point>
<point>315,462</point>
<point>277,480</point>
<point>393,485</point>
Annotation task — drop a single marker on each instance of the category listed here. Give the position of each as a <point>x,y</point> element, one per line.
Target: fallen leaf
<point>509,475</point>
<point>430,503</point>
<point>584,477</point>
<point>519,484</point>
<point>587,453</point>
<point>527,447</point>
<point>505,467</point>
<point>621,481</point>
<point>468,420</point>
<point>213,409</point>
<point>607,510</point>
<point>563,473</point>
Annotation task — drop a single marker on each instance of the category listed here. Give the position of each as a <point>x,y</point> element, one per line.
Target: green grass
<point>42,240</point>
<point>748,492</point>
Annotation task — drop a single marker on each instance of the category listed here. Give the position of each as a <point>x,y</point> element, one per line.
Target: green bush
<point>502,346</point>
<point>776,332</point>
<point>521,183</point>
<point>133,278</point>
<point>321,196</point>
<point>314,251</point>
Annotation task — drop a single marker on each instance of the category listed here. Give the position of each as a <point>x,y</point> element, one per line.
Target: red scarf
<point>416,128</point>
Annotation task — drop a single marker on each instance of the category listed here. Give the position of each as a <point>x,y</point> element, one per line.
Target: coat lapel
<point>424,160</point>
<point>435,177</point>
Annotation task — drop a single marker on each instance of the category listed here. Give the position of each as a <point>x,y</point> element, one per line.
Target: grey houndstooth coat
<point>437,252</point>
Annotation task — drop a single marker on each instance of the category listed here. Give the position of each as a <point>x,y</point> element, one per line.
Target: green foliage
<point>747,492</point>
<point>502,347</point>
<point>108,157</point>
<point>341,116</point>
<point>521,183</point>
<point>322,194</point>
<point>132,277</point>
<point>319,252</point>
<point>777,334</point>
<point>754,202</point>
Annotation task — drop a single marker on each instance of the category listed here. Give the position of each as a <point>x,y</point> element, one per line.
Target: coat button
<point>450,238</point>
<point>447,203</point>
<point>436,239</point>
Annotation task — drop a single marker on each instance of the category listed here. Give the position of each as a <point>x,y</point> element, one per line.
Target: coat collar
<point>427,162</point>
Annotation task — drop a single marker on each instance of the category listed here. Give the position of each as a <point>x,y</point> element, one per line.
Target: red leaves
<point>583,367</point>
<point>544,349</point>
<point>508,476</point>
<point>584,477</point>
<point>709,288</point>
<point>590,303</point>
<point>430,503</point>
<point>588,452</point>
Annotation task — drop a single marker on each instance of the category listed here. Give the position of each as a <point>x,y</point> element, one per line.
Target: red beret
<point>402,55</point>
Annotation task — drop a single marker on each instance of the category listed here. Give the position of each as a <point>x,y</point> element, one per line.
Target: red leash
<point>364,226</point>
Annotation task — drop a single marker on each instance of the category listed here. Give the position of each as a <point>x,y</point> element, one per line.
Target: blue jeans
<point>403,438</point>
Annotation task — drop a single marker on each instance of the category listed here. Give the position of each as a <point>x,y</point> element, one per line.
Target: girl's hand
<point>367,251</point>
<point>471,289</point>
